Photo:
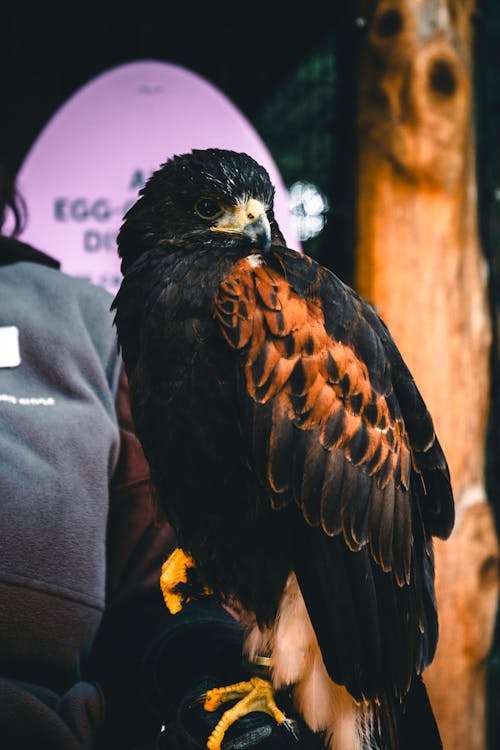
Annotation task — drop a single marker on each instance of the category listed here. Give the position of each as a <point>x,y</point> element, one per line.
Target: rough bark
<point>419,262</point>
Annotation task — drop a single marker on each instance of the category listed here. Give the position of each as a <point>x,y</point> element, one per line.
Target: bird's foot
<point>173,573</point>
<point>255,695</point>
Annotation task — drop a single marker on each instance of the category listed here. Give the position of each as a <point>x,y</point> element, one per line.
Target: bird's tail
<point>409,725</point>
<point>327,708</point>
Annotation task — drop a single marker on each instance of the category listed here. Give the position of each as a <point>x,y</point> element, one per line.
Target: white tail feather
<point>296,660</point>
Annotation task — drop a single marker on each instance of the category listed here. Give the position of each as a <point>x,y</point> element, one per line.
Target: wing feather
<point>330,500</point>
<point>322,386</point>
<point>280,448</point>
<point>333,440</point>
<point>315,459</point>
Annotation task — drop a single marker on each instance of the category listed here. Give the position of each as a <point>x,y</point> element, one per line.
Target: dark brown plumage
<point>285,434</point>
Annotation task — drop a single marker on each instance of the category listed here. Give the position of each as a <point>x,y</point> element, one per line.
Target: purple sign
<point>87,165</point>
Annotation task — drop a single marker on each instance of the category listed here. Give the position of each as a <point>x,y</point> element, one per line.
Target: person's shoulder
<point>89,311</point>
<point>90,295</point>
<point>78,302</point>
<point>59,279</point>
<point>74,290</point>
<point>82,288</point>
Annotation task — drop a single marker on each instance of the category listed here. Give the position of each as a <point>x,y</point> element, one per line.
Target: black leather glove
<point>201,649</point>
<point>192,725</point>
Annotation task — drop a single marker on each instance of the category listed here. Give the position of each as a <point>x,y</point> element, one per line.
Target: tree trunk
<point>419,262</point>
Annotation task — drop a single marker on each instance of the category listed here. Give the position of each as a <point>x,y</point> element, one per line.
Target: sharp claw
<point>290,727</point>
<point>200,699</point>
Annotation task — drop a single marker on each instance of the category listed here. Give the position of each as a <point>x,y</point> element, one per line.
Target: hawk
<point>290,449</point>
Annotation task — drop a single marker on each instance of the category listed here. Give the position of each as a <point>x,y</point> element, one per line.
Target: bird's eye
<point>207,208</point>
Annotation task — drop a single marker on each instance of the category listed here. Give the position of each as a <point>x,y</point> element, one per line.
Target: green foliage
<point>297,124</point>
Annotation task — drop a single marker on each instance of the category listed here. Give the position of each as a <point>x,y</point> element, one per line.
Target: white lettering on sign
<point>136,116</point>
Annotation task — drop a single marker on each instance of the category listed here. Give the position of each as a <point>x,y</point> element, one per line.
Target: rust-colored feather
<point>320,389</point>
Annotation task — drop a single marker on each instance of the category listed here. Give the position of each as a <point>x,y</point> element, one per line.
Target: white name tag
<point>10,355</point>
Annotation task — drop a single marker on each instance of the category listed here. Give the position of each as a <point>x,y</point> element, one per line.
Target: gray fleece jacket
<point>89,656</point>
<point>59,444</point>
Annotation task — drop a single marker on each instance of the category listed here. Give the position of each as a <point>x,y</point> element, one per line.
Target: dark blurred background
<point>293,73</point>
<point>282,69</point>
<point>487,120</point>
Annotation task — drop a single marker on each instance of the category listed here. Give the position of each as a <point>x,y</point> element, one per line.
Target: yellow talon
<point>173,572</point>
<point>254,695</point>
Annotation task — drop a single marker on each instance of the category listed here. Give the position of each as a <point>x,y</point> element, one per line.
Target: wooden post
<point>418,260</point>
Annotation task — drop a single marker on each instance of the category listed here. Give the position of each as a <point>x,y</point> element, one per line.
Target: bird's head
<point>206,198</point>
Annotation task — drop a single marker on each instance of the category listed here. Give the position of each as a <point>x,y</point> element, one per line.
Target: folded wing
<point>338,430</point>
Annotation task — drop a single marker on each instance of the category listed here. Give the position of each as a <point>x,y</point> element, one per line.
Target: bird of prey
<point>289,447</point>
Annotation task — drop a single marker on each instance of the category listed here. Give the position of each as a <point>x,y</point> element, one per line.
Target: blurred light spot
<point>308,207</point>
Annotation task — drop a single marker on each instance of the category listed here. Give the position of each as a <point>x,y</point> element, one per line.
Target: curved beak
<point>259,232</point>
<point>247,220</point>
